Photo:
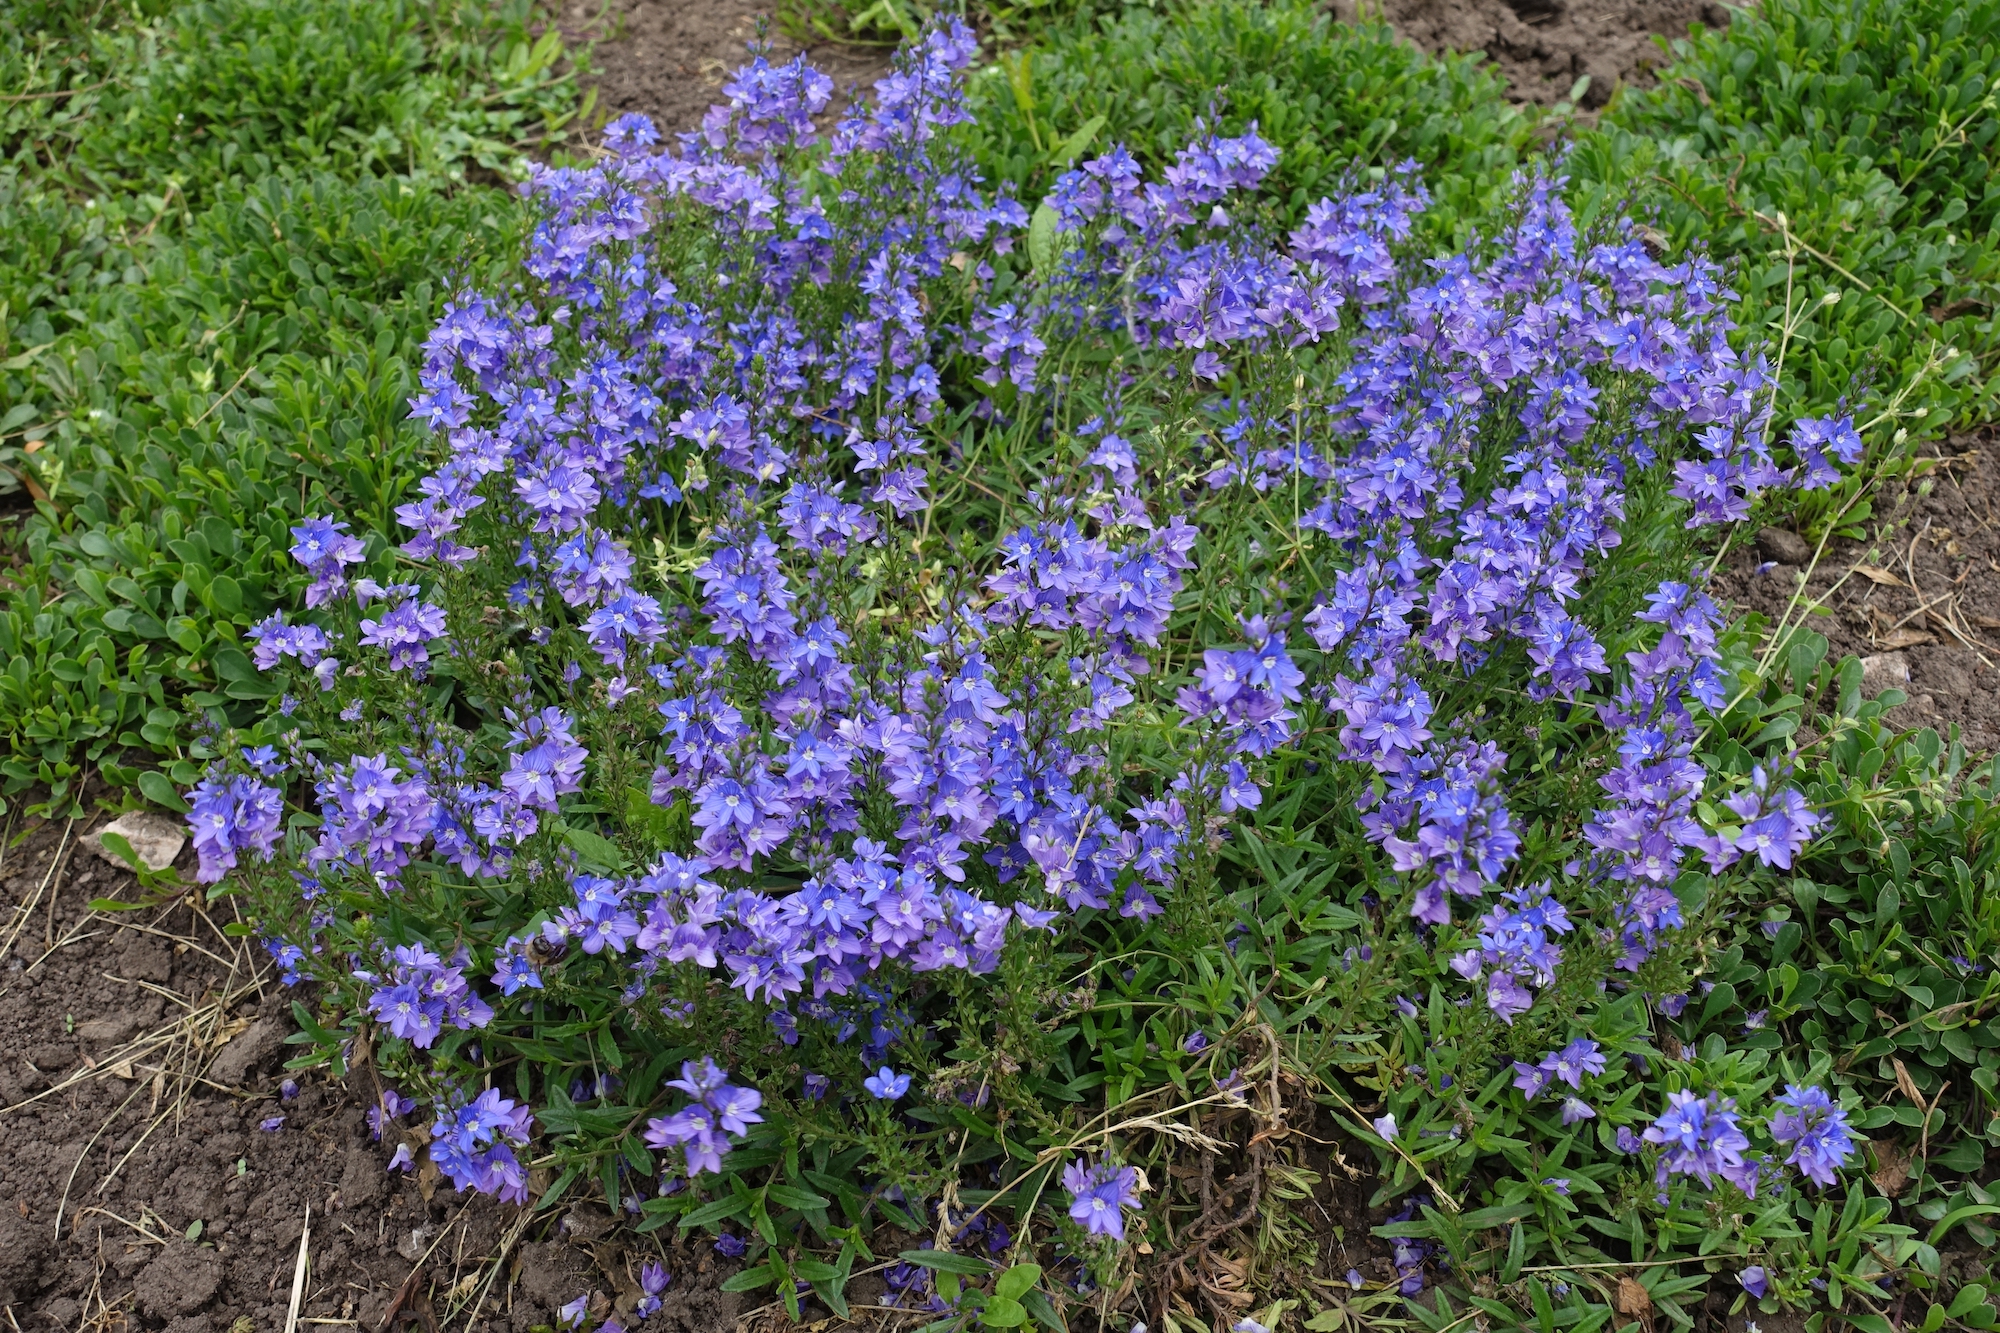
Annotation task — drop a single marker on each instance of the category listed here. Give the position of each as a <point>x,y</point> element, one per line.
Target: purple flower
<point>886,1085</point>
<point>473,1145</point>
<point>1755,1281</point>
<point>1816,1128</point>
<point>730,1246</point>
<point>272,1124</point>
<point>232,815</point>
<point>653,1280</point>
<point>1099,1196</point>
<point>717,1110</point>
<point>324,547</point>
<point>1574,1062</point>
<point>1699,1137</point>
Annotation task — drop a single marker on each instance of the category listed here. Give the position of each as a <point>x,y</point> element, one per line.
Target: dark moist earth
<point>141,1059</point>
<point>668,58</point>
<point>1545,46</point>
<point>1919,603</point>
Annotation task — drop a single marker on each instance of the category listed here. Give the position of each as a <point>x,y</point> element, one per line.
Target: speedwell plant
<point>838,742</point>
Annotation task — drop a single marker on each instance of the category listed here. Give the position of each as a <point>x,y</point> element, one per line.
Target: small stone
<point>179,1282</point>
<point>156,840</point>
<point>248,1050</point>
<point>1787,548</point>
<point>109,1030</point>
<point>1884,671</point>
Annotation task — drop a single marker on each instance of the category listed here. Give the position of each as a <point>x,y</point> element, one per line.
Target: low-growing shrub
<point>993,704</point>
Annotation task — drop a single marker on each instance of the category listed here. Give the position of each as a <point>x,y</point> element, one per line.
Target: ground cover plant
<point>1843,154</point>
<point>1867,128</point>
<point>1328,95</point>
<point>214,256</point>
<point>901,709</point>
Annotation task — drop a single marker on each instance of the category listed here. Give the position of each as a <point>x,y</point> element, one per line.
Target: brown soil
<point>668,58</point>
<point>1544,46</point>
<point>1922,597</point>
<point>140,1055</point>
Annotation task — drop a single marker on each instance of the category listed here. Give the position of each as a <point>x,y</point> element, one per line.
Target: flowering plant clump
<point>856,623</point>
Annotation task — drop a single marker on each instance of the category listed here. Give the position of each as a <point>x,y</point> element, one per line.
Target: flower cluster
<point>1099,1196</point>
<point>423,993</point>
<point>473,1144</point>
<point>1701,1136</point>
<point>717,1109</point>
<point>1816,1129</point>
<point>1575,1062</point>
<point>1517,949</point>
<point>703,714</point>
<point>232,814</point>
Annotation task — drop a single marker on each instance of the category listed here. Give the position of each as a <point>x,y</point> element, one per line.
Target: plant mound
<point>895,709</point>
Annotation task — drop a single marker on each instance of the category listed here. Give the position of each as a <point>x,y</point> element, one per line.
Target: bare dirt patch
<point>1545,46</point>
<point>1920,603</point>
<point>157,1176</point>
<point>668,58</point>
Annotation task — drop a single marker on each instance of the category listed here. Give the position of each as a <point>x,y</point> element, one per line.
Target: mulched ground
<point>1919,602</point>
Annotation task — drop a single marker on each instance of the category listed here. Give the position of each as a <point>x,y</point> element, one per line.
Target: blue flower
<point>1813,1124</point>
<point>1099,1196</point>
<point>886,1085</point>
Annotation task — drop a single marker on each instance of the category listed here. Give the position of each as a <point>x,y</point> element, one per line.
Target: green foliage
<point>1834,146</point>
<point>217,258</point>
<point>1328,95</point>
<point>890,21</point>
